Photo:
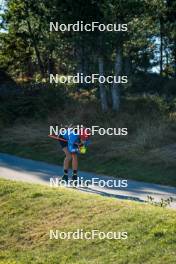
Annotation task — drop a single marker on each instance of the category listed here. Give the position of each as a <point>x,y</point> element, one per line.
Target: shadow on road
<point>136,191</point>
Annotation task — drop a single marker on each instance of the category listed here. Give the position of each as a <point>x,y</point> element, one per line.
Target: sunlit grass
<point>28,212</point>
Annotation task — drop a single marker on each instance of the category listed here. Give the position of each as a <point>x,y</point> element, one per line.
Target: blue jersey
<point>73,140</point>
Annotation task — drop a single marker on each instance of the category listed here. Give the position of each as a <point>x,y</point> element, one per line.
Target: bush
<point>152,84</point>
<point>173,105</point>
<point>145,105</point>
<point>31,102</point>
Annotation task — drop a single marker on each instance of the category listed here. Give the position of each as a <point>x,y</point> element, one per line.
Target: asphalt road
<point>20,169</point>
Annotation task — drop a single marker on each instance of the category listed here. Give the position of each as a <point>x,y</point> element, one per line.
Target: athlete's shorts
<point>62,143</point>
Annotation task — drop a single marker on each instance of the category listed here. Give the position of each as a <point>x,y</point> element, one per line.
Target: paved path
<point>15,168</point>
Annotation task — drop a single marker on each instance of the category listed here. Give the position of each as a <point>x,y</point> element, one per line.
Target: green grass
<point>135,170</point>
<point>28,212</point>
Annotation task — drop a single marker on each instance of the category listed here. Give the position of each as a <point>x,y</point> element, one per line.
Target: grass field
<point>28,212</point>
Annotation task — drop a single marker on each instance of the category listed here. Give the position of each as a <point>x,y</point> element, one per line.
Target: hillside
<point>28,212</point>
<point>147,153</point>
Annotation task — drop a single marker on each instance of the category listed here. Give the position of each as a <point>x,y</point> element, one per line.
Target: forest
<point>30,50</point>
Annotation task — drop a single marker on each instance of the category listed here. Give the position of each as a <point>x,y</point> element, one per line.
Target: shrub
<point>145,105</point>
<point>31,102</point>
<point>151,84</point>
<point>173,105</point>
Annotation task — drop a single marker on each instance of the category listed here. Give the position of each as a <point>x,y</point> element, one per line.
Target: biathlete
<point>73,142</point>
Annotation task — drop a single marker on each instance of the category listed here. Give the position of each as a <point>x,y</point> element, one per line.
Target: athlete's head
<point>84,134</point>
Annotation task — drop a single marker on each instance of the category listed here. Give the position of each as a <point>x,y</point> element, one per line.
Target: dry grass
<point>150,142</point>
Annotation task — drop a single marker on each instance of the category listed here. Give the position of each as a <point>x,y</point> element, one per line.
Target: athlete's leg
<point>66,163</point>
<point>74,166</point>
<point>67,159</point>
<point>74,161</point>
